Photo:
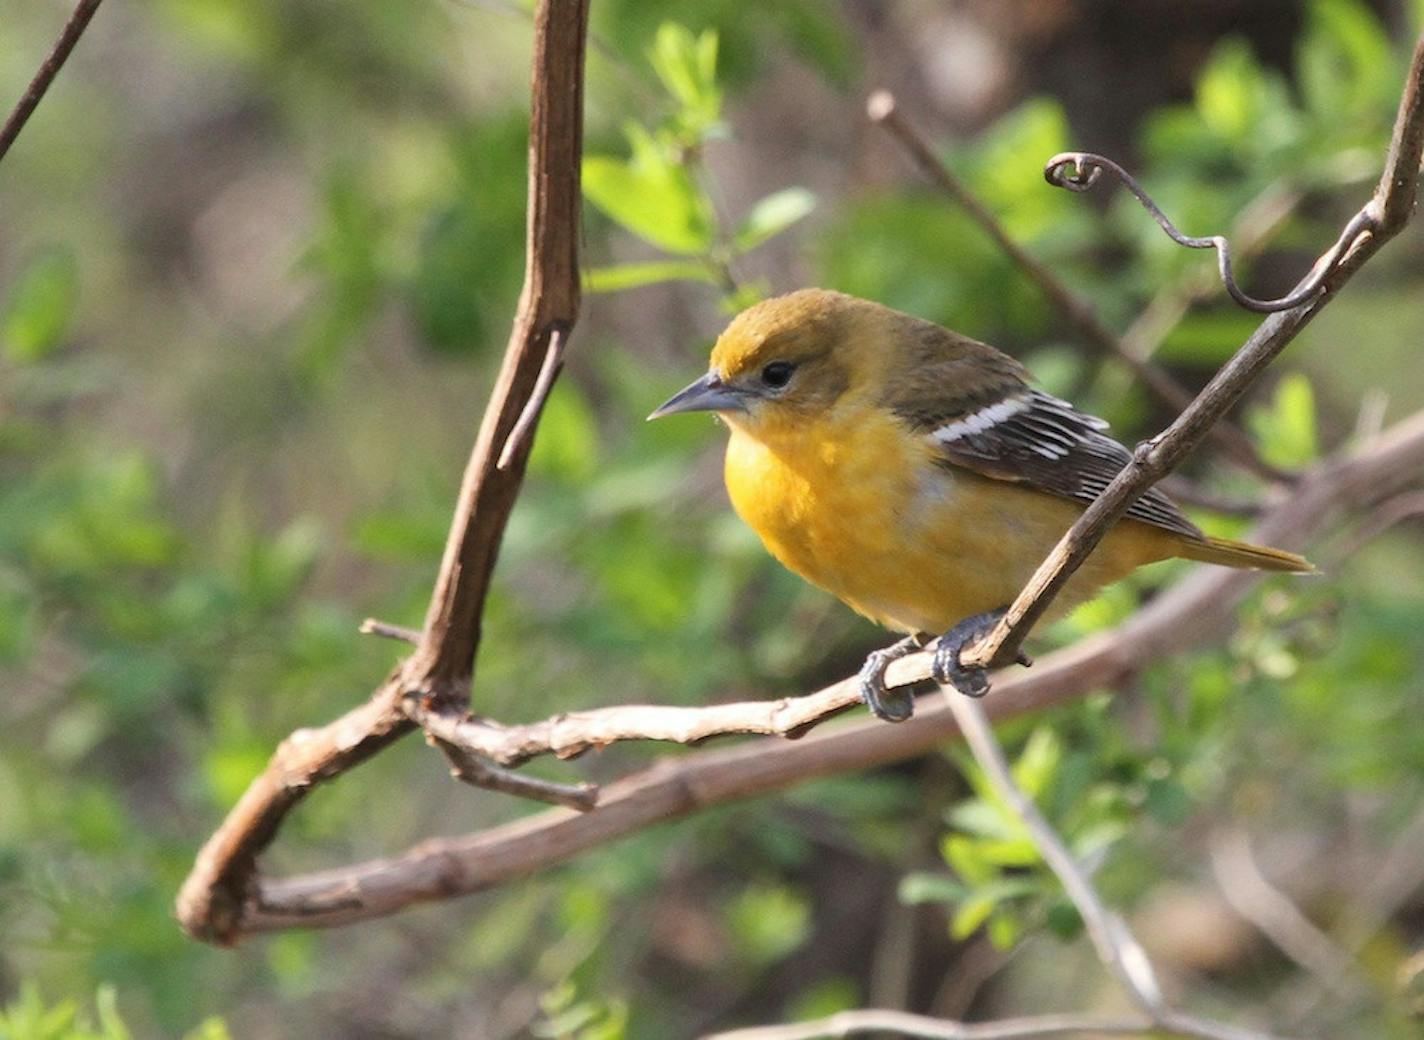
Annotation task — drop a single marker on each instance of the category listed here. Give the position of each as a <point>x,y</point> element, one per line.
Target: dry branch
<point>1380,220</point>
<point>224,877</point>
<point>1184,616</point>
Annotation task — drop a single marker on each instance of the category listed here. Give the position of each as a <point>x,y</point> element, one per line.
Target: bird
<point>918,476</point>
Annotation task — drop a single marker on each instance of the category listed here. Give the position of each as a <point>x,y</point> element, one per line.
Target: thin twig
<point>1255,224</point>
<point>1079,171</point>
<point>1119,951</point>
<point>49,68</point>
<point>518,439</point>
<point>376,627</point>
<point>1406,506</point>
<point>475,771</point>
<point>1191,612</point>
<point>1076,311</point>
<point>1381,219</point>
<point>570,734</point>
<point>921,1027</point>
<point>1252,895</point>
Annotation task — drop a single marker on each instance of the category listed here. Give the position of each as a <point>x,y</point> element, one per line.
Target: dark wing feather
<point>1036,439</point>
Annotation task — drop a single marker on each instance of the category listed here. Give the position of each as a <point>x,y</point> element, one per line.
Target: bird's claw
<point>945,666</point>
<point>890,707</point>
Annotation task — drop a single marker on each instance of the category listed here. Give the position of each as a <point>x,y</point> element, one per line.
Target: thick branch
<point>223,880</point>
<point>1187,614</point>
<point>548,307</point>
<point>1380,220</point>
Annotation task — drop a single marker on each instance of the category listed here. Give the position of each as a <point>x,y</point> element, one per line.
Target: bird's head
<point>783,361</point>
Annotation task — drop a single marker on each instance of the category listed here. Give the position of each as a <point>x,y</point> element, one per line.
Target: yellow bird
<point>913,473</point>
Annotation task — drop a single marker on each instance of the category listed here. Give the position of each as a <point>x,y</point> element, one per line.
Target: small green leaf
<point>930,888</point>
<point>1227,91</point>
<point>40,307</point>
<point>970,915</point>
<point>768,922</point>
<point>1346,63</point>
<point>773,215</point>
<point>619,277</point>
<point>1286,429</point>
<point>1063,919</point>
<point>687,66</point>
<point>1038,762</point>
<point>651,195</point>
<point>1004,930</point>
<point>963,855</point>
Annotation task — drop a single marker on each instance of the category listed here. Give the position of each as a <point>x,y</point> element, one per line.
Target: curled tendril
<point>1079,171</point>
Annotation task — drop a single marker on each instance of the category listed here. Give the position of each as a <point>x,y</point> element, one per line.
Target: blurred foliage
<point>259,259</point>
<point>660,193</point>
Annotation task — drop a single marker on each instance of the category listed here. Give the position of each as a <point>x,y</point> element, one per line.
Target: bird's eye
<point>777,374</point>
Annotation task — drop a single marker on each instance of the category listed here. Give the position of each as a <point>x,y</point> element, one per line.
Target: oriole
<point>915,474</point>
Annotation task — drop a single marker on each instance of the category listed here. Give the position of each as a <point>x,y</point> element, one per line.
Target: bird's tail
<point>1242,554</point>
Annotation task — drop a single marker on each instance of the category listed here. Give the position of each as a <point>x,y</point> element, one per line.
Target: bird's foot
<point>945,668</point>
<point>892,707</point>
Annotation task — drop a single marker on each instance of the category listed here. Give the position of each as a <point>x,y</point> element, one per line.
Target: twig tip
<point>880,106</point>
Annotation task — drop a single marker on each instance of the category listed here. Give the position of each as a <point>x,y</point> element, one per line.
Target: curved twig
<point>1087,167</point>
<point>1387,211</point>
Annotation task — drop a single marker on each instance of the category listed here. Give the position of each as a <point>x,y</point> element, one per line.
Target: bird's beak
<point>708,394</point>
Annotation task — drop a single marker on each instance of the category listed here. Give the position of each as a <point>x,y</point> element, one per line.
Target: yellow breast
<point>866,513</point>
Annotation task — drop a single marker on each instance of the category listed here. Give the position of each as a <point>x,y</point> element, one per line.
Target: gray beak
<point>708,394</point>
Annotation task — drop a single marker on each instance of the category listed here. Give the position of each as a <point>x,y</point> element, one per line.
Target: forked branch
<point>219,889</point>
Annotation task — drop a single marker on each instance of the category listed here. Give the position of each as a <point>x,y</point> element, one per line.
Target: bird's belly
<point>916,549</point>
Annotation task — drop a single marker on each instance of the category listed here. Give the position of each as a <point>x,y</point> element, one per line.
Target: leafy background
<point>257,265</point>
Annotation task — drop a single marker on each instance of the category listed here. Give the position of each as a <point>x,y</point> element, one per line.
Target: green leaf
<point>773,215</point>
<point>566,443</point>
<point>930,888</point>
<point>652,196</point>
<point>1287,429</point>
<point>1228,90</point>
<point>1038,762</point>
<point>768,922</point>
<point>985,820</point>
<point>111,1023</point>
<point>963,855</point>
<point>687,67</point>
<point>618,277</point>
<point>1063,919</point>
<point>1004,930</point>
<point>971,914</point>
<point>1346,65</point>
<point>40,308</point>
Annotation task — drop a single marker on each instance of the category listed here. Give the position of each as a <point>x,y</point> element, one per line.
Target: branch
<point>1187,614</point>
<point>1074,310</point>
<point>1380,220</point>
<point>921,1027</point>
<point>49,68</point>
<point>220,888</point>
<point>1123,956</point>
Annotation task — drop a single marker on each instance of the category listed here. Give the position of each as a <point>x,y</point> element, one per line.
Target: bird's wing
<point>1034,438</point>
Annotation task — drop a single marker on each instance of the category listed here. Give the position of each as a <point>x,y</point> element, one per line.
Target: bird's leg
<point>945,667</point>
<point>883,704</point>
